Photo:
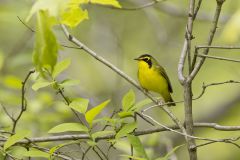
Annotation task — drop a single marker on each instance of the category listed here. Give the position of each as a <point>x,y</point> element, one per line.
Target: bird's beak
<point>137,59</point>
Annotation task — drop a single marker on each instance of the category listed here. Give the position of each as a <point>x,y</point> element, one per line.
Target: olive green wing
<point>164,74</point>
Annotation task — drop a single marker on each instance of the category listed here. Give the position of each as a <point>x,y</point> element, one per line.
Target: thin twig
<point>68,102</point>
<point>218,58</point>
<point>105,156</point>
<point>209,41</point>
<point>46,150</point>
<point>204,87</point>
<point>228,140</point>
<point>97,153</point>
<point>6,112</point>
<point>85,153</point>
<point>217,47</point>
<point>25,24</point>
<point>145,119</point>
<point>197,9</point>
<point>23,102</point>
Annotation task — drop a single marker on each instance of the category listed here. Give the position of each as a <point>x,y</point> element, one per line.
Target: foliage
<point>55,98</point>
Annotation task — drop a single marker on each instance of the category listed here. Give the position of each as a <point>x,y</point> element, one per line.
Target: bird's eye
<point>146,59</point>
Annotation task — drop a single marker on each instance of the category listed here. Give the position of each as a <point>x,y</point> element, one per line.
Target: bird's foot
<point>160,102</point>
<point>145,91</point>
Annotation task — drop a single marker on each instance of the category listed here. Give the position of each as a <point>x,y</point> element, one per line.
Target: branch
<point>197,9</point>
<point>217,47</point>
<point>23,101</point>
<point>209,42</point>
<point>66,99</point>
<point>187,42</point>
<point>46,150</point>
<point>204,87</point>
<point>218,58</point>
<point>119,72</point>
<point>136,133</point>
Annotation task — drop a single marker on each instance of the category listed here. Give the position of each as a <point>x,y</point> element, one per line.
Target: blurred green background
<point>120,36</point>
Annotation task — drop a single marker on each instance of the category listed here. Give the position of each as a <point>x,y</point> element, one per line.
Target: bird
<point>153,77</point>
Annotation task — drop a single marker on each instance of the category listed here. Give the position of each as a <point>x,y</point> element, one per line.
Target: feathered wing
<point>164,74</point>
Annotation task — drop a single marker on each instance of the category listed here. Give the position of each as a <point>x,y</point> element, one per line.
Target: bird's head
<point>146,58</point>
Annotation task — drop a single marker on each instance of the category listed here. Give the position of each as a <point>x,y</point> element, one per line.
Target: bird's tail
<point>169,99</point>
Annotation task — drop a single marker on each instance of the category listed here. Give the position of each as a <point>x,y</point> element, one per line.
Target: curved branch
<point>136,133</point>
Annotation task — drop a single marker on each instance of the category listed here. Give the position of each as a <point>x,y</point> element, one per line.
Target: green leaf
<point>101,134</point>
<point>73,16</point>
<point>92,113</point>
<point>91,143</point>
<point>137,145</point>
<point>55,148</point>
<point>60,67</point>
<point>66,127</point>
<point>128,128</point>
<point>15,138</point>
<point>36,153</point>
<point>46,46</point>
<point>166,157</point>
<point>141,104</point>
<point>16,151</point>
<point>54,7</point>
<point>124,114</point>
<point>69,82</point>
<point>41,84</point>
<point>79,105</point>
<point>128,100</point>
<point>114,3</point>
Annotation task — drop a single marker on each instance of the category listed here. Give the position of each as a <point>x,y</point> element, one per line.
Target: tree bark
<point>192,150</point>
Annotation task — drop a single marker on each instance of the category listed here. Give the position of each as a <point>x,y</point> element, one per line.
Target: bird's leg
<point>145,91</point>
<point>160,102</point>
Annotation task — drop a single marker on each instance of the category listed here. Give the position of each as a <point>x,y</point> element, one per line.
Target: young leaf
<point>60,67</point>
<point>128,128</point>
<point>92,113</point>
<point>46,46</point>
<point>91,143</point>
<point>15,138</point>
<point>54,7</point>
<point>55,148</point>
<point>137,145</point>
<point>125,114</point>
<point>73,16</point>
<point>15,151</point>
<point>35,153</point>
<point>41,84</point>
<point>69,82</point>
<point>66,127</point>
<point>166,157</point>
<point>102,133</point>
<point>128,100</point>
<point>114,3</point>
<point>79,105</point>
<point>141,104</point>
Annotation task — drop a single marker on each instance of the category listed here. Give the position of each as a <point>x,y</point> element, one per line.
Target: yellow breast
<point>151,79</point>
